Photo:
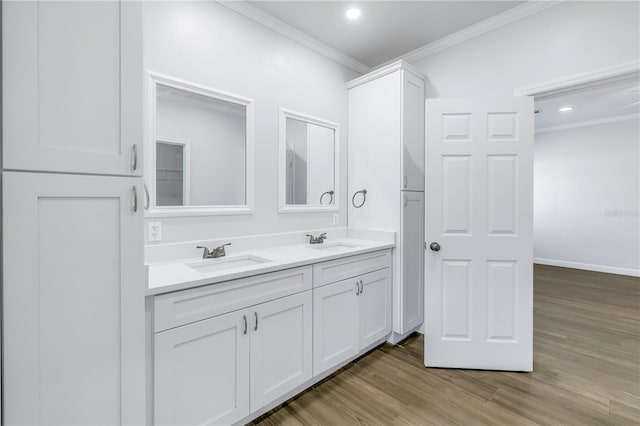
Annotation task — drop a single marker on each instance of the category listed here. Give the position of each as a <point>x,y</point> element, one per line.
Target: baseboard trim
<point>588,267</point>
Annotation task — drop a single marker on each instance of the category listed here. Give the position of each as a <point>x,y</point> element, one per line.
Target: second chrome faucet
<point>214,253</point>
<point>317,240</point>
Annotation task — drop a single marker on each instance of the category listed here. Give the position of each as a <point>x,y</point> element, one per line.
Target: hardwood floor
<point>586,370</point>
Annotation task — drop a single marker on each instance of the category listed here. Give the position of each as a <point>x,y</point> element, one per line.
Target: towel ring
<point>364,198</point>
<point>330,195</point>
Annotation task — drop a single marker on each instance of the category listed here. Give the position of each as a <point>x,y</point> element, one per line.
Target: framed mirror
<point>200,145</point>
<point>308,163</point>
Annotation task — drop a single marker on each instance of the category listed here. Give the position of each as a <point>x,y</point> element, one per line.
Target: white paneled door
<point>479,221</point>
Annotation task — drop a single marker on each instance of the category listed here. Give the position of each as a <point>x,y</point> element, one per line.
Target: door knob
<point>434,246</point>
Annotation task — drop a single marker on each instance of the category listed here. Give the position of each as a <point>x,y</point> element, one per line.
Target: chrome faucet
<point>317,240</point>
<point>215,253</point>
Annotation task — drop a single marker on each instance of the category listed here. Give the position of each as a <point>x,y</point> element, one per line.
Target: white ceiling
<point>386,29</point>
<point>592,103</point>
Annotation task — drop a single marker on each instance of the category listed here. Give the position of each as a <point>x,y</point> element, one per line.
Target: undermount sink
<point>224,263</point>
<point>333,246</point>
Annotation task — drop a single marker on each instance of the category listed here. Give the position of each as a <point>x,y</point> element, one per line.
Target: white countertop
<point>165,277</point>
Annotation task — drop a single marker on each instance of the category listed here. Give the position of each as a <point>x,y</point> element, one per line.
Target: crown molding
<point>287,30</point>
<point>587,123</point>
<point>507,17</point>
<point>581,80</point>
<point>387,69</point>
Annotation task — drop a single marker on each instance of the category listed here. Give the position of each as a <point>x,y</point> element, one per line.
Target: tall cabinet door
<point>412,132</point>
<point>412,261</point>
<point>280,347</point>
<point>375,306</point>
<point>374,152</point>
<point>74,326</point>
<point>72,86</point>
<point>335,324</point>
<point>202,372</point>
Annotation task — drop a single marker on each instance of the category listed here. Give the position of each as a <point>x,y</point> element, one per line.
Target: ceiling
<point>592,103</point>
<point>386,29</point>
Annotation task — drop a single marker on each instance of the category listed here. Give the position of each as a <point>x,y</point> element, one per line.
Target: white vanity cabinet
<point>72,86</point>
<point>219,369</point>
<point>281,342</point>
<point>335,324</point>
<point>227,352</point>
<point>352,314</point>
<point>386,158</point>
<point>201,373</point>
<point>374,307</point>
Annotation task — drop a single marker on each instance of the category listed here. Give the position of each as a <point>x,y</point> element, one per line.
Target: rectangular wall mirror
<point>308,163</point>
<point>201,147</point>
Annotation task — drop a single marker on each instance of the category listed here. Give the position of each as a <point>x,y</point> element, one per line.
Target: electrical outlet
<point>155,231</point>
<point>335,218</point>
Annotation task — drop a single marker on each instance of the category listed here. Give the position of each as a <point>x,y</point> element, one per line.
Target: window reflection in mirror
<point>309,148</point>
<point>214,164</point>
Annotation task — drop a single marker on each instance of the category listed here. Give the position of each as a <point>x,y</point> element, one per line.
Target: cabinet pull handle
<point>134,206</point>
<point>246,327</point>
<point>147,200</point>
<point>406,201</point>
<point>255,314</point>
<point>361,287</point>
<point>357,288</point>
<point>405,183</point>
<point>134,158</point>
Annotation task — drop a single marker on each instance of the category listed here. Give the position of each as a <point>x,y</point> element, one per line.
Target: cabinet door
<point>280,347</point>
<point>411,283</point>
<point>375,307</point>
<point>72,95</point>
<point>374,152</point>
<point>74,326</point>
<point>202,372</point>
<point>412,132</point>
<point>335,324</point>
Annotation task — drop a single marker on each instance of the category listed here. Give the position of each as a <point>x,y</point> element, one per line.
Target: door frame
<point>582,80</point>
<point>595,77</point>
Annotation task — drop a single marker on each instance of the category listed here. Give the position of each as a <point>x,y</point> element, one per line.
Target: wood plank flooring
<point>586,370</point>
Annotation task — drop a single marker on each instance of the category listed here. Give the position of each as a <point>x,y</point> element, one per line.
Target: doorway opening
<point>587,171</point>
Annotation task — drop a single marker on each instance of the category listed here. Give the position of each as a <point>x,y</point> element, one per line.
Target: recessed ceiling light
<point>566,109</point>
<point>353,13</point>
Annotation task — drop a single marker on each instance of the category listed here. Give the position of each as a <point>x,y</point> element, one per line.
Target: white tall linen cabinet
<point>386,158</point>
<point>73,199</point>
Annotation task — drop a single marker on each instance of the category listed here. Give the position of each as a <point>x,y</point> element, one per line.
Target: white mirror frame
<point>153,79</point>
<point>282,162</point>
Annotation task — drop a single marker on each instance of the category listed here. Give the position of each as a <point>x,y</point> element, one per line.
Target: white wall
<point>566,39</point>
<point>586,197</point>
<point>208,44</point>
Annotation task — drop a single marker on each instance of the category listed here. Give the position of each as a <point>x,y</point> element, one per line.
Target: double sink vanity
<point>229,338</point>
<point>233,331</point>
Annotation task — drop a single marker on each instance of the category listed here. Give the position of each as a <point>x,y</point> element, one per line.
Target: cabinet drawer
<point>349,267</point>
<point>187,306</point>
